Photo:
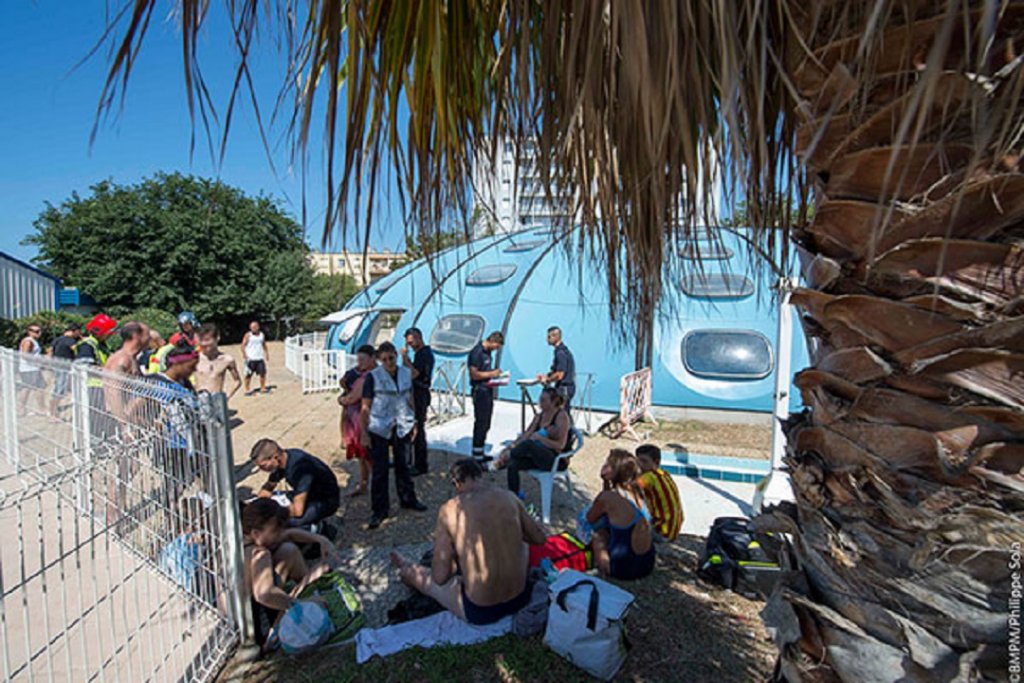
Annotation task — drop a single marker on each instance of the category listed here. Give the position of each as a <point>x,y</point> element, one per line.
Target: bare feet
<point>359,491</point>
<point>403,566</point>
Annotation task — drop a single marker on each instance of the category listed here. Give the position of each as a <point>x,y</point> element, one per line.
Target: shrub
<point>52,323</point>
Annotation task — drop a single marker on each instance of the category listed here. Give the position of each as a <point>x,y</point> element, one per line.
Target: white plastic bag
<point>303,627</point>
<point>585,623</point>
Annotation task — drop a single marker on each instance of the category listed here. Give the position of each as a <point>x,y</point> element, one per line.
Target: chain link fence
<point>120,543</point>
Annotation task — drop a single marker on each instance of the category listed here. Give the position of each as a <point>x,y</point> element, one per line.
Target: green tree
<point>285,289</point>
<point>175,242</point>
<point>330,293</point>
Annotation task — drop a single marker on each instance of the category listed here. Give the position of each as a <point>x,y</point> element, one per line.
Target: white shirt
<point>24,365</point>
<point>254,346</point>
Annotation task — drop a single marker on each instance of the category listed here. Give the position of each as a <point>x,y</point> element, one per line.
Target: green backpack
<point>342,604</point>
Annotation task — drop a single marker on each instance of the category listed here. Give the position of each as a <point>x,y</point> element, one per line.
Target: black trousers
<point>315,511</point>
<point>380,448</point>
<point>421,401</point>
<point>529,455</point>
<point>483,409</point>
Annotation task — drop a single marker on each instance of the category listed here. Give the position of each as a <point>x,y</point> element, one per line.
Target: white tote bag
<point>585,623</point>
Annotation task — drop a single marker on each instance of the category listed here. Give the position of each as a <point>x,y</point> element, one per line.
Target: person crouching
<point>275,569</point>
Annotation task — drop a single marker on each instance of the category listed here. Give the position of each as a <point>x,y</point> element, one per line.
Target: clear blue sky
<point>47,110</point>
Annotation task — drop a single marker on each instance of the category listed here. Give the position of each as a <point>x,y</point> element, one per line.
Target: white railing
<point>450,390</point>
<point>583,402</point>
<point>120,540</point>
<point>295,346</point>
<point>318,368</point>
<point>635,391</point>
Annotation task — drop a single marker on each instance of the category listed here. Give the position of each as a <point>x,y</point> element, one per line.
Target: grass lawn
<point>502,659</point>
<point>679,630</point>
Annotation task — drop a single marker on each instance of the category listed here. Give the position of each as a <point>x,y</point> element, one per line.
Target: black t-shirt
<point>306,473</point>
<point>564,362</point>
<point>64,347</point>
<point>423,361</point>
<point>479,358</point>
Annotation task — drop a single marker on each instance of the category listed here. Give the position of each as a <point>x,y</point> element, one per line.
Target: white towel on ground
<point>443,628</point>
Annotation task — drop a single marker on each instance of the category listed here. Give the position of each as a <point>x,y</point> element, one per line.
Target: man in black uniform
<point>563,368</point>
<point>422,367</point>
<point>314,495</point>
<point>480,372</point>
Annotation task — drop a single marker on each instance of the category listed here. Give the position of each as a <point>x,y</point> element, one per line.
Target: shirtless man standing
<point>214,364</point>
<point>135,337</point>
<point>486,531</point>
<point>123,407</point>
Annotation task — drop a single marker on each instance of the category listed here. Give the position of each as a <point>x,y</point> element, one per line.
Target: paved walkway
<point>310,422</point>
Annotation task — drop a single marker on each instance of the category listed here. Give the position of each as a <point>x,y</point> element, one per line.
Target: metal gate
<point>317,367</point>
<point>120,547</point>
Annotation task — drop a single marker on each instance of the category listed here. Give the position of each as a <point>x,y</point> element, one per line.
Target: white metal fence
<point>317,367</point>
<point>583,402</point>
<point>450,385</point>
<point>120,548</point>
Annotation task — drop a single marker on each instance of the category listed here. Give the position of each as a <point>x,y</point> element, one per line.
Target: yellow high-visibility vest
<point>101,354</point>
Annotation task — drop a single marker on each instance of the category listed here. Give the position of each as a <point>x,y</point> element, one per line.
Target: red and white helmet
<point>101,325</point>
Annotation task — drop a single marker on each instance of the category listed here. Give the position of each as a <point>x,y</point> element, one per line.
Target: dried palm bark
<point>908,467</point>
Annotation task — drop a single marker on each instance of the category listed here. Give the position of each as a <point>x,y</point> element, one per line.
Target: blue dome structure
<point>714,345</point>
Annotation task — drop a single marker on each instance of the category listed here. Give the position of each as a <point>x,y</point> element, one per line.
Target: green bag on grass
<point>342,604</point>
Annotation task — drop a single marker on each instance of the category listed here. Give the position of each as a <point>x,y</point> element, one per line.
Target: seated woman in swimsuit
<point>540,444</point>
<point>272,558</point>
<point>621,543</point>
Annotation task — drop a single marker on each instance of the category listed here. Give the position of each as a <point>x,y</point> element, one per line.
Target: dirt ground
<point>680,628</point>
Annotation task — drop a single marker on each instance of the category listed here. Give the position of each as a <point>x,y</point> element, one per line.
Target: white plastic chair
<point>546,480</point>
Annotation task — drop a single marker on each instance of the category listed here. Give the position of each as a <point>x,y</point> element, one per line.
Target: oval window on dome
<point>727,354</point>
<point>717,285</point>
<point>705,250</point>
<point>491,275</point>
<point>457,333</point>
<point>519,248</point>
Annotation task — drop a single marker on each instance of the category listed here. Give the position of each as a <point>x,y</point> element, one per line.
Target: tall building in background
<point>378,264</point>
<point>510,195</point>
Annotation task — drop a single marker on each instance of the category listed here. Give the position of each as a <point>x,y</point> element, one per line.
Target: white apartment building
<point>510,195</point>
<point>378,264</point>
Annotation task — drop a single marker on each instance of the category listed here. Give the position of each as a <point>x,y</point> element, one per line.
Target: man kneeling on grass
<point>482,531</point>
<point>274,567</point>
<point>314,495</point>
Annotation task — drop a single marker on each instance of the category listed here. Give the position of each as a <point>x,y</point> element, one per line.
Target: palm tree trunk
<point>906,469</point>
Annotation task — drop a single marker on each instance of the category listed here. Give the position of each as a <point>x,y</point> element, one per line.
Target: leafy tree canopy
<point>330,292</point>
<point>175,242</point>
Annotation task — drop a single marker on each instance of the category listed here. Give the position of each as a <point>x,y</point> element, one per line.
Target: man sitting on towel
<point>482,531</point>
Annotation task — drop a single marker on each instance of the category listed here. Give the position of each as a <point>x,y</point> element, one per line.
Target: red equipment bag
<point>565,552</point>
